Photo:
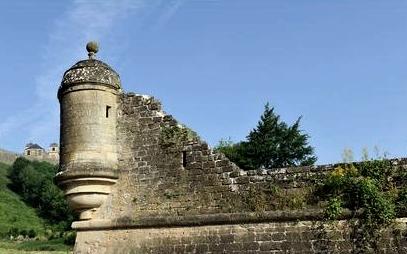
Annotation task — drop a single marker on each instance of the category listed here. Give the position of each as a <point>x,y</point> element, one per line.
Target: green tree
<point>33,180</point>
<point>272,144</point>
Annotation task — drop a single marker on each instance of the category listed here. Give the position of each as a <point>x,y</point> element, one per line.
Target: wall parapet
<point>319,168</point>
<point>299,177</point>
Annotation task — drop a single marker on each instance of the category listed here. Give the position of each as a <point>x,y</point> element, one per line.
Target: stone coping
<point>323,168</point>
<point>204,220</point>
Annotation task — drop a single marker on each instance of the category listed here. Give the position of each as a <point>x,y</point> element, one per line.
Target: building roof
<point>53,145</point>
<point>33,146</point>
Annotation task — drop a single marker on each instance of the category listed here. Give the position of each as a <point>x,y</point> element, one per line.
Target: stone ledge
<point>81,172</point>
<point>204,220</point>
<point>325,167</point>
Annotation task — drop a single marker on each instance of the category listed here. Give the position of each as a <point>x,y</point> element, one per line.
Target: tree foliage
<point>272,144</point>
<point>33,180</point>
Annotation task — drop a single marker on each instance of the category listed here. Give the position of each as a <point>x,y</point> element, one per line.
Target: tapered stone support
<point>86,194</point>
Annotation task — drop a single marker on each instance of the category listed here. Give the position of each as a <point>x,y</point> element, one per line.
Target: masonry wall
<point>175,195</point>
<point>304,237</point>
<point>164,169</point>
<point>7,157</point>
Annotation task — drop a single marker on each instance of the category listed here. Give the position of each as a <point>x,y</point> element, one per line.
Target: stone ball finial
<point>92,47</point>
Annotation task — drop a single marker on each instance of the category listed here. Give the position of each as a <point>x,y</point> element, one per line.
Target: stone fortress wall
<point>143,183</point>
<point>175,195</point>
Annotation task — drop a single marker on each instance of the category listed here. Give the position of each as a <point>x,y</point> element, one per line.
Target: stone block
<point>269,246</point>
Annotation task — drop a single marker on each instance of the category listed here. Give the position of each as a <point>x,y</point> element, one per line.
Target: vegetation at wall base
<point>272,144</point>
<point>369,190</point>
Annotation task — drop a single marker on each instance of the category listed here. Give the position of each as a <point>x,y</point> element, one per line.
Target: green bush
<point>23,232</point>
<point>401,202</point>
<point>33,180</point>
<point>32,233</point>
<point>368,190</point>
<point>13,232</point>
<point>334,208</point>
<point>69,238</point>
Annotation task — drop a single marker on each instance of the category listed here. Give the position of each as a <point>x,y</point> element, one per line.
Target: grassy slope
<point>13,211</point>
<point>55,246</point>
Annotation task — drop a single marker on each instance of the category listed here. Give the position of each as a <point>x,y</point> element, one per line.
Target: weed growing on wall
<point>174,137</point>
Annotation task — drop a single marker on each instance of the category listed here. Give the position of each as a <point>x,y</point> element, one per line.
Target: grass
<point>55,246</point>
<point>49,246</point>
<point>14,213</point>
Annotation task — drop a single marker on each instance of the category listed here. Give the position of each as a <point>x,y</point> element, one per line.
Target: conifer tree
<point>271,144</point>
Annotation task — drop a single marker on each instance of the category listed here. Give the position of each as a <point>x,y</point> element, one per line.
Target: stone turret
<point>88,97</point>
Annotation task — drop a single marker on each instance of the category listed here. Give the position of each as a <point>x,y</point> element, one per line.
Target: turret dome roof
<point>91,71</point>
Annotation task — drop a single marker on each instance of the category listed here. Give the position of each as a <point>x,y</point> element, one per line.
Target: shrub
<point>32,233</point>
<point>14,232</point>
<point>367,189</point>
<point>401,202</point>
<point>33,180</point>
<point>69,238</point>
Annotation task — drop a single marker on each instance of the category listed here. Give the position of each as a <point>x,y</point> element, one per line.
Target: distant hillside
<point>14,213</point>
<point>8,157</point>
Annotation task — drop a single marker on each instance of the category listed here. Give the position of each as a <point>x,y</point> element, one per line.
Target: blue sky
<point>342,65</point>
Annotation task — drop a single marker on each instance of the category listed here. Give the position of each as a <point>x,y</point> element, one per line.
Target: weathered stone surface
<point>173,193</point>
<point>167,213</point>
<point>90,71</point>
<point>242,238</point>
